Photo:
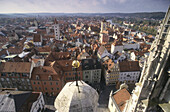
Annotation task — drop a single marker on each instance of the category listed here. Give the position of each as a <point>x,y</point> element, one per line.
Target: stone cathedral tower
<point>152,92</point>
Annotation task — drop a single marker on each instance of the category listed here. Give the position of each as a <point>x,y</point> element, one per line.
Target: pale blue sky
<point>84,6</point>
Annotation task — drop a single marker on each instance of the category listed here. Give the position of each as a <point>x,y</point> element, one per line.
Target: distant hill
<point>148,15</point>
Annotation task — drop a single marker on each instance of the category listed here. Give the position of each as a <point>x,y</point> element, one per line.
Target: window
<point>2,79</point>
<point>38,82</point>
<point>44,83</point>
<point>65,73</point>
<point>37,77</point>
<point>57,88</point>
<point>56,83</point>
<point>49,77</point>
<point>3,74</point>
<point>51,88</point>
<point>45,88</point>
<point>25,75</point>
<point>69,73</point>
<point>34,82</point>
<point>51,83</point>
<point>39,88</point>
<point>86,76</point>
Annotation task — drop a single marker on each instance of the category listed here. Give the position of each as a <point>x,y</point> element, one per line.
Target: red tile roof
<point>44,72</point>
<point>19,67</point>
<point>53,56</point>
<point>37,38</point>
<point>120,97</point>
<point>128,66</point>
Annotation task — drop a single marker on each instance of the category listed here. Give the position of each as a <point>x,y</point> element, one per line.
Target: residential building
<point>16,75</point>
<point>47,80</point>
<point>119,56</point>
<point>116,46</point>
<point>129,71</point>
<point>131,45</point>
<point>118,100</point>
<point>69,72</point>
<point>111,72</point>
<point>37,40</point>
<point>104,38</point>
<point>38,62</point>
<point>91,71</point>
<point>102,52</point>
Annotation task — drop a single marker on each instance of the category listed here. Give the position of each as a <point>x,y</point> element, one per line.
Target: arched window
<point>37,77</point>
<point>49,77</point>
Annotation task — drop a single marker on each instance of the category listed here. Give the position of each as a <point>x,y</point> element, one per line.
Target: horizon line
<point>82,12</point>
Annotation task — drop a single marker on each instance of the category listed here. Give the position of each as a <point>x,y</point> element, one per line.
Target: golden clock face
<point>75,63</point>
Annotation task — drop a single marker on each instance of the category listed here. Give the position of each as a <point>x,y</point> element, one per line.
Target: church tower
<point>152,92</point>
<point>56,29</point>
<point>103,26</point>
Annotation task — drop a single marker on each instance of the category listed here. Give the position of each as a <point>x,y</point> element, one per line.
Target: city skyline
<point>83,6</point>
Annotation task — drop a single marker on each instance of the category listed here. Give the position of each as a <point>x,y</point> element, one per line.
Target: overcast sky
<point>84,6</point>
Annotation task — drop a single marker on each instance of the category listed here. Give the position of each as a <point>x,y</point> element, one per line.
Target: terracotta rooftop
<point>44,49</point>
<point>19,67</point>
<point>15,50</point>
<point>37,38</point>
<point>44,72</point>
<point>120,97</point>
<point>67,65</point>
<point>128,66</point>
<point>53,56</point>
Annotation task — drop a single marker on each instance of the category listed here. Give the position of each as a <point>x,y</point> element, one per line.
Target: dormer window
<point>66,64</point>
<point>37,77</point>
<point>49,77</point>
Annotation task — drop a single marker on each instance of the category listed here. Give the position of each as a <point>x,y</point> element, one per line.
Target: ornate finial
<point>76,64</point>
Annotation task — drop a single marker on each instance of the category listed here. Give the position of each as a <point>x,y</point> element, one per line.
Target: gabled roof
<point>44,72</point>
<point>120,97</point>
<point>53,56</point>
<point>101,50</point>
